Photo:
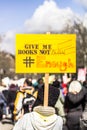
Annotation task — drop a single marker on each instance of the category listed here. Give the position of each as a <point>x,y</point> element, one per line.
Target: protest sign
<point>41,53</point>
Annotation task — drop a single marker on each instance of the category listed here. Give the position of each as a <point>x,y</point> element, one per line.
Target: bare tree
<point>81,42</point>
<point>0,39</point>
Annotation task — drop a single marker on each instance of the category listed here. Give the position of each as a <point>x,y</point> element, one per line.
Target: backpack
<point>28,102</point>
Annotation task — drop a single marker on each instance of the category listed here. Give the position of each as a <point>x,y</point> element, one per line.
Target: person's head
<point>75,87</point>
<point>13,87</point>
<point>40,81</point>
<point>27,83</point>
<point>56,83</point>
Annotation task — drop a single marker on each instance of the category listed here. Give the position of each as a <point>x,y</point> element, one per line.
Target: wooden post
<point>46,89</point>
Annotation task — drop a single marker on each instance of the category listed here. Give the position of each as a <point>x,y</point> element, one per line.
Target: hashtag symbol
<point>28,61</point>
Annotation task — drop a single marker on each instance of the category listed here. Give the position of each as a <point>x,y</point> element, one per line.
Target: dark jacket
<point>52,96</point>
<point>74,105</point>
<point>11,97</point>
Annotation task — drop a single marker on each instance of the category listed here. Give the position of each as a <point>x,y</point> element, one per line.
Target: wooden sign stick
<point>46,89</point>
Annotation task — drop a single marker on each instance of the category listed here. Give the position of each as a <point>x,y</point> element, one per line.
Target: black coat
<point>52,96</point>
<point>74,105</point>
<point>11,97</point>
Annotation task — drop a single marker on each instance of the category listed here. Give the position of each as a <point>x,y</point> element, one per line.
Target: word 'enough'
<point>61,65</point>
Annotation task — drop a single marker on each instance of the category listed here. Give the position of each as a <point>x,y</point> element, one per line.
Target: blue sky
<point>13,13</point>
<point>37,16</point>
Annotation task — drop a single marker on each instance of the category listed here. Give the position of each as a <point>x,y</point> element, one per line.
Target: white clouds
<point>82,2</point>
<point>49,17</point>
<point>85,20</point>
<point>9,35</point>
<point>8,42</point>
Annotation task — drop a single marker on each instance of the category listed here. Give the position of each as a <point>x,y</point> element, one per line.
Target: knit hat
<point>75,86</point>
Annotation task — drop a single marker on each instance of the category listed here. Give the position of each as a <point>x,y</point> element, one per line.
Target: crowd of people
<point>66,104</point>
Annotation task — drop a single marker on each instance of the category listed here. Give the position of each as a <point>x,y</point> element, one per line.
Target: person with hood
<point>74,104</point>
<point>42,117</point>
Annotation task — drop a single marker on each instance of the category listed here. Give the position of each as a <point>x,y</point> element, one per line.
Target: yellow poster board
<point>44,53</point>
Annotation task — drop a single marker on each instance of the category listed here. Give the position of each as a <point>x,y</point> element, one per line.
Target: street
<point>6,124</point>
